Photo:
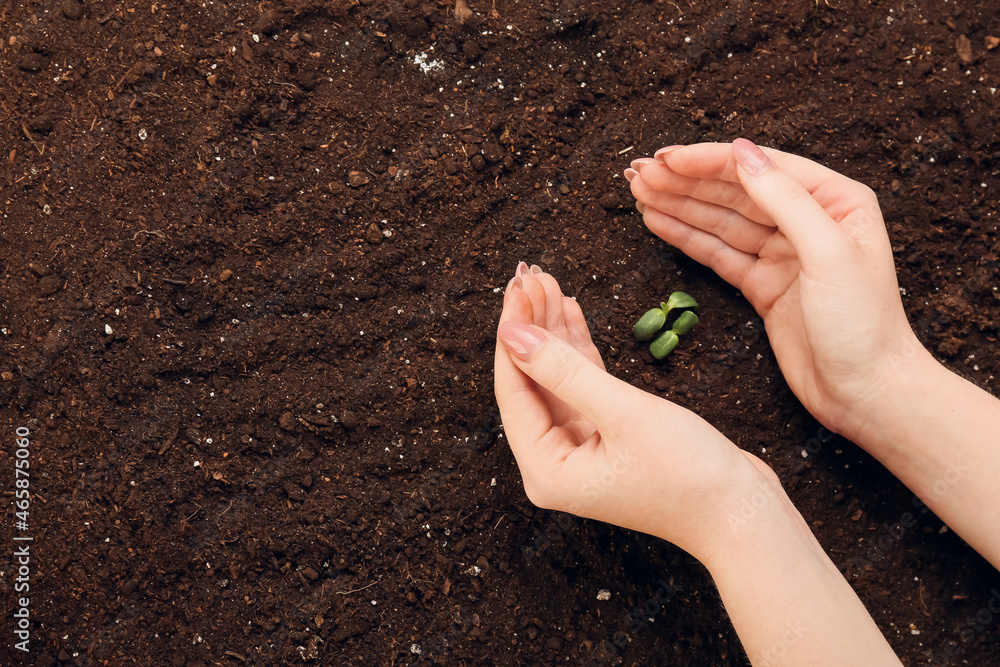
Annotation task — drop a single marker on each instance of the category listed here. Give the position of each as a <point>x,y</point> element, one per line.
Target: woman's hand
<point>595,446</point>
<point>590,444</point>
<point>808,248</point>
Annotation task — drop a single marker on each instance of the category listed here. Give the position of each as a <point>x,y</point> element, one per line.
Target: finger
<point>579,332</point>
<point>536,296</point>
<point>731,264</point>
<point>728,224</point>
<point>806,224</point>
<point>658,177</point>
<point>524,413</point>
<point>560,368</point>
<point>516,305</point>
<point>715,161</point>
<point>553,302</point>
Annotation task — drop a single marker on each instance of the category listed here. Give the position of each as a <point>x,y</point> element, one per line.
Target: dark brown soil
<point>251,262</point>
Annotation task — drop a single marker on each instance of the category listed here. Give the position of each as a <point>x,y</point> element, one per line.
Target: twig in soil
<point>148,232</point>
<point>107,17</point>
<point>175,281</point>
<point>356,590</point>
<point>38,147</point>
<point>625,150</point>
<point>170,440</point>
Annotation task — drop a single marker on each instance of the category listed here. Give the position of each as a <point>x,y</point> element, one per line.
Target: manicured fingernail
<point>510,284</point>
<point>667,149</point>
<point>639,206</point>
<point>536,269</point>
<point>521,268</point>
<point>630,173</point>
<point>520,339</point>
<point>751,158</point>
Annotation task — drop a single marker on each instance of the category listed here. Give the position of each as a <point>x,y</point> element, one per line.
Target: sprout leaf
<point>650,323</point>
<point>665,344</point>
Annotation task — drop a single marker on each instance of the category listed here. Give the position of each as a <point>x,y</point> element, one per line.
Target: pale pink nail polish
<point>521,268</point>
<point>510,283</point>
<point>751,158</point>
<point>639,206</point>
<point>520,339</point>
<point>667,149</point>
<point>630,173</point>
<point>536,269</point>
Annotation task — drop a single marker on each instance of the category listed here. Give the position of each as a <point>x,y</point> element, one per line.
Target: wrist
<point>769,556</point>
<point>908,376</point>
<point>752,505</point>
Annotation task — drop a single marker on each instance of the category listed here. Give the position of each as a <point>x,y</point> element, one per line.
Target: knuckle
<point>568,373</point>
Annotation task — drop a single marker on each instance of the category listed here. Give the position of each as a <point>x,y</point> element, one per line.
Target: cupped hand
<point>809,249</point>
<point>595,446</point>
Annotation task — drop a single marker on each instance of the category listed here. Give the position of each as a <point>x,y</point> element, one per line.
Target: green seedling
<point>679,300</point>
<point>685,322</point>
<point>650,324</point>
<point>665,344</point>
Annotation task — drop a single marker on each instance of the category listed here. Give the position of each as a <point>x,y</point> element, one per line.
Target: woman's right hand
<point>809,249</point>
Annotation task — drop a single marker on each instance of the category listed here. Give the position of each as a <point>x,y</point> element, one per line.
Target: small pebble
<point>50,284</point>
<point>963,47</point>
<point>72,9</point>
<point>32,62</point>
<point>357,178</point>
<point>610,201</point>
<point>41,124</point>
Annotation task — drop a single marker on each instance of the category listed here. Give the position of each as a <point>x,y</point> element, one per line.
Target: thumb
<point>564,371</point>
<point>796,213</point>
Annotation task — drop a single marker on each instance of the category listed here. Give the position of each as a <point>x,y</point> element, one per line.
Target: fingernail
<point>630,173</point>
<point>510,284</point>
<point>667,149</point>
<point>536,269</point>
<point>520,339</point>
<point>521,268</point>
<point>639,206</point>
<point>750,157</point>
